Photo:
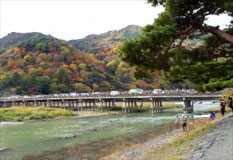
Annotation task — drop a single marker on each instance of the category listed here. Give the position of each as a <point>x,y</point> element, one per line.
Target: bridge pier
<point>48,103</point>
<point>156,106</point>
<point>188,105</point>
<point>106,104</point>
<point>129,105</point>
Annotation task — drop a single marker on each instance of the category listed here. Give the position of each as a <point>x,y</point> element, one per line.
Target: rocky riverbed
<point>141,151</point>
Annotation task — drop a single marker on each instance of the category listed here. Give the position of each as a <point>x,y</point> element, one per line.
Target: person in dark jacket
<point>222,104</point>
<point>184,122</point>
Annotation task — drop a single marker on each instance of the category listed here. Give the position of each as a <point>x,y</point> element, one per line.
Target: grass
<point>146,106</point>
<point>32,113</point>
<point>218,110</point>
<point>184,141</point>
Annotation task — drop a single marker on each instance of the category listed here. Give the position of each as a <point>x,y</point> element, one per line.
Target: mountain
<point>15,38</point>
<point>94,43</point>
<point>34,63</point>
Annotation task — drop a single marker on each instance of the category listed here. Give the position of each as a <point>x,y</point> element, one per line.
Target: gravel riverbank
<point>217,144</point>
<point>141,151</point>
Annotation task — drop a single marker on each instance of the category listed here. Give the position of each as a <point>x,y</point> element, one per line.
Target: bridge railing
<point>107,94</point>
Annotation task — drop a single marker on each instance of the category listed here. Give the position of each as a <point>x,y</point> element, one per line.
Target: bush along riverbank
<point>32,113</point>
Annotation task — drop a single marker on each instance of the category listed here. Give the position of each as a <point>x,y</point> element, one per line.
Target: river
<point>85,138</point>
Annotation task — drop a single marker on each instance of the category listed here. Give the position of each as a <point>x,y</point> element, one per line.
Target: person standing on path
<point>184,122</point>
<point>222,104</point>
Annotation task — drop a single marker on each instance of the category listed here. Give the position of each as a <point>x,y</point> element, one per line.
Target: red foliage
<point>31,91</point>
<point>142,84</point>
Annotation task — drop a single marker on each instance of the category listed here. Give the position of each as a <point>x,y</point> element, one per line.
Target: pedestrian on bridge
<point>222,104</point>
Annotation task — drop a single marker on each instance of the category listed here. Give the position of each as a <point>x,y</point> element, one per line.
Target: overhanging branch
<point>215,31</point>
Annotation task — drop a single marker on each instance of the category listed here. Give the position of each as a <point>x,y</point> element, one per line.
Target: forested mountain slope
<point>34,63</point>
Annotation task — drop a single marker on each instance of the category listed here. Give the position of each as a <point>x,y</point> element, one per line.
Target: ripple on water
<point>10,123</point>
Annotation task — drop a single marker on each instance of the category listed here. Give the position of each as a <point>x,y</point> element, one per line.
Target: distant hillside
<point>15,38</point>
<point>48,65</point>
<point>94,43</point>
<point>34,63</point>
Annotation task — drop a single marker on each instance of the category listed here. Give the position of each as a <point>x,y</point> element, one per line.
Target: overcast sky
<point>76,19</point>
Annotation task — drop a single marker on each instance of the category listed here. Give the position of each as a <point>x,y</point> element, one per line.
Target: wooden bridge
<point>130,103</point>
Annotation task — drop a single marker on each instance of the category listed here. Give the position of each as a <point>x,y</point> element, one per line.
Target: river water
<point>86,138</point>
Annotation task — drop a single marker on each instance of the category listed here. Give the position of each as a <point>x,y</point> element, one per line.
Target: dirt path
<point>216,144</point>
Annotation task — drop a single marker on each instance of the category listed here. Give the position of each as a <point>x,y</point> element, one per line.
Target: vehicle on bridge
<point>114,93</point>
<point>157,91</point>
<point>135,91</point>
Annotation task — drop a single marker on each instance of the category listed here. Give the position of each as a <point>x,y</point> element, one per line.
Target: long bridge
<point>130,102</point>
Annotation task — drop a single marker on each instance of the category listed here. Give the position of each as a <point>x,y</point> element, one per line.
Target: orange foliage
<point>54,80</point>
<point>105,49</point>
<point>77,78</point>
<point>142,84</point>
<point>16,50</point>
<point>100,67</point>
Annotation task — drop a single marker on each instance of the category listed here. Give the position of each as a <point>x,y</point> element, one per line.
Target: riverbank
<point>170,146</point>
<point>19,114</point>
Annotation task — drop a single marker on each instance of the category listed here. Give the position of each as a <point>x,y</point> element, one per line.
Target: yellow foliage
<point>2,76</point>
<point>64,66</point>
<point>54,80</point>
<point>73,67</point>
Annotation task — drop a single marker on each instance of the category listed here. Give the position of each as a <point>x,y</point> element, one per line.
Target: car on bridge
<point>135,91</point>
<point>114,93</point>
<point>157,91</point>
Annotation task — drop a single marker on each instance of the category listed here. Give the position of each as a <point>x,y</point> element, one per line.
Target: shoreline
<point>171,139</point>
<point>81,114</point>
<point>141,150</point>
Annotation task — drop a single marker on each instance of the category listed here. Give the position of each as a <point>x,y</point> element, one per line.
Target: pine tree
<point>160,46</point>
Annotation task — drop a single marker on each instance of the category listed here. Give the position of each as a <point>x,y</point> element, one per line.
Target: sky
<point>75,19</point>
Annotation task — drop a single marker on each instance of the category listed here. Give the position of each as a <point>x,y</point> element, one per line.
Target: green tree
<point>42,47</point>
<point>105,86</point>
<point>54,88</point>
<point>112,66</point>
<point>62,76</point>
<point>79,87</point>
<point>43,84</point>
<point>27,82</point>
<point>36,72</point>
<point>16,79</point>
<point>160,45</point>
